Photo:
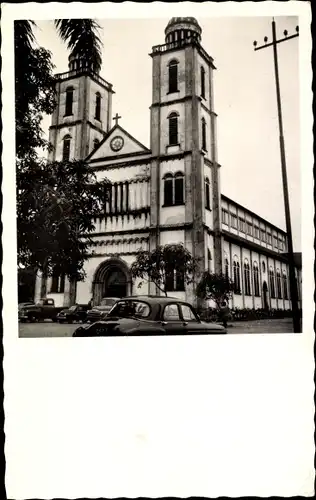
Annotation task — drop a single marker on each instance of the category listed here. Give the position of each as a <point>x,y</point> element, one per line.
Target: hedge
<point>212,314</point>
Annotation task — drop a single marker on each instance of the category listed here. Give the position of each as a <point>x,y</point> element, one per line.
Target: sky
<point>245,100</point>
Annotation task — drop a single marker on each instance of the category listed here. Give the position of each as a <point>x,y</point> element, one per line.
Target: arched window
<point>66,148</point>
<point>285,289</point>
<point>173,129</point>
<point>209,260</point>
<point>179,281</point>
<point>169,284</point>
<point>247,278</point>
<point>173,76</point>
<point>179,188</point>
<point>96,143</point>
<point>174,280</point>
<point>236,270</point>
<point>62,283</point>
<point>58,282</point>
<point>256,279</point>
<point>207,193</point>
<point>202,82</point>
<point>174,189</point>
<point>272,283</point>
<point>203,134</point>
<point>69,101</point>
<point>168,190</point>
<point>263,266</point>
<point>226,268</point>
<point>279,287</point>
<point>97,106</point>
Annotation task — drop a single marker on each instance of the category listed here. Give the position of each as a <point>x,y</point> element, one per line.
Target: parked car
<point>24,304</point>
<point>99,312</point>
<point>150,315</point>
<point>44,309</point>
<point>78,312</point>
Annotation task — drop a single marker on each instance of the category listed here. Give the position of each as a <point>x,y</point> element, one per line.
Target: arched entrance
<point>265,295</point>
<point>112,279</point>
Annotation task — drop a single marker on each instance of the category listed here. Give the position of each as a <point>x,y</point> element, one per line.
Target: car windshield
<point>130,308</point>
<point>108,302</point>
<point>72,308</point>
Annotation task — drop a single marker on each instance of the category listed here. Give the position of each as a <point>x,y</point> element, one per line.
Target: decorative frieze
<point>120,246</point>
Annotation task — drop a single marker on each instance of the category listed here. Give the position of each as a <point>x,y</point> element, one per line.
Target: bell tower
<point>83,112</point>
<point>183,140</point>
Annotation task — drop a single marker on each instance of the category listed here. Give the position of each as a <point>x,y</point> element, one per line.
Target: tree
<point>56,206</point>
<point>34,92</point>
<point>164,263</point>
<point>34,80</point>
<point>56,202</point>
<point>217,287</point>
<point>81,36</point>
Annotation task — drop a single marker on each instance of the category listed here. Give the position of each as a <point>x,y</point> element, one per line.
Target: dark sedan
<point>77,312</point>
<point>150,315</point>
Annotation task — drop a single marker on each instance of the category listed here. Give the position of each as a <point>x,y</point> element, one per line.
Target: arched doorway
<point>112,279</point>
<point>265,295</point>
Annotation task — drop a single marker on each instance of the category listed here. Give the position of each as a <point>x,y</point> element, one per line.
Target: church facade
<point>168,193</point>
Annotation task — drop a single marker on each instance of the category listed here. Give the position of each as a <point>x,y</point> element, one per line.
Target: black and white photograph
<point>164,137</point>
<point>155,198</point>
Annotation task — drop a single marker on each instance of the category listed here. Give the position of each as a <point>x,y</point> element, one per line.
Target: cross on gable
<point>116,118</point>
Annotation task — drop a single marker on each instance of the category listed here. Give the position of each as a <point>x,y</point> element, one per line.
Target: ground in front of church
<point>49,329</point>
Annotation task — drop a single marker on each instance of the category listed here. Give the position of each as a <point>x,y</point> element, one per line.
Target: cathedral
<point>168,193</point>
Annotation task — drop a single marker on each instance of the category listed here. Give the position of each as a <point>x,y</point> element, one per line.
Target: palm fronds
<point>82,39</point>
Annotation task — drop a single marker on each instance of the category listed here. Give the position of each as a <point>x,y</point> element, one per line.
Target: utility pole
<point>293,284</point>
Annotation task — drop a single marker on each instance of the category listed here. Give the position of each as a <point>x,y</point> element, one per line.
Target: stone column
<point>252,281</point>
<point>242,277</point>
<point>70,293</point>
<point>155,138</point>
<point>216,190</point>
<point>38,285</point>
<point>43,291</point>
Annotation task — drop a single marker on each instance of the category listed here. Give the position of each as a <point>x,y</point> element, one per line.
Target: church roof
<point>118,143</point>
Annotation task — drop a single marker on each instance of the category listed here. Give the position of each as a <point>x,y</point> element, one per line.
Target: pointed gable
<point>118,142</point>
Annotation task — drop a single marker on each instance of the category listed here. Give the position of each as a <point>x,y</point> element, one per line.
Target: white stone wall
<point>264,262</point>
<point>165,111</point>
<point>172,214</point>
<point>78,90</point>
<point>57,297</point>
<point>179,55</point>
<point>208,135</point>
<point>92,135</point>
<point>172,237</point>
<point>93,89</point>
<point>208,214</point>
<point>84,288</point>
<point>255,222</point>
<point>201,62</point>
<point>121,173</point>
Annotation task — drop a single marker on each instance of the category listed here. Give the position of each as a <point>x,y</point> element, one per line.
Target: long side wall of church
<point>243,255</point>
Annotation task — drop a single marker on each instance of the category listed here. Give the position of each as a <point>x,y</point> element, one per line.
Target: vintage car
<point>43,309</point>
<point>99,312</point>
<point>78,312</point>
<point>150,315</point>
